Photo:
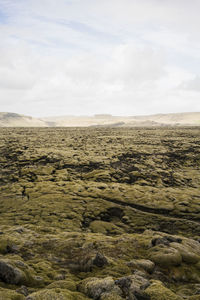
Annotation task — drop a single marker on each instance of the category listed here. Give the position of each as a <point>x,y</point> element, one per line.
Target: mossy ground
<point>67,194</point>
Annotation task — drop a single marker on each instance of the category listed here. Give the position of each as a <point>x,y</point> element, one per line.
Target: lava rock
<point>133,286</point>
<point>95,287</point>
<point>166,240</point>
<point>100,260</point>
<point>23,290</point>
<point>10,274</point>
<point>157,291</point>
<point>144,264</point>
<point>165,256</point>
<point>124,283</point>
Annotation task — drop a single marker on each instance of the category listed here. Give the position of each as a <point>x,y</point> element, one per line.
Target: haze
<point>121,57</point>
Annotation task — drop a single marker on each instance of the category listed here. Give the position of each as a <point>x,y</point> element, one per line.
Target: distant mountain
<point>8,119</point>
<point>16,120</point>
<point>178,119</point>
<point>189,118</point>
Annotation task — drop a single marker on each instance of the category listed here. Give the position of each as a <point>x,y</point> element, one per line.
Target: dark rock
<point>173,239</point>
<point>82,264</point>
<point>12,249</point>
<point>160,241</point>
<point>158,275</point>
<point>60,277</point>
<point>23,290</point>
<point>112,212</point>
<point>124,283</point>
<point>133,286</point>
<point>138,285</point>
<point>95,287</point>
<point>166,240</point>
<point>10,274</point>
<point>196,289</point>
<point>100,260</point>
<point>19,230</point>
<point>141,295</point>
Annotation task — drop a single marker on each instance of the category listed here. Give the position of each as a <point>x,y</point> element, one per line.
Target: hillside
<point>16,120</point>
<point>189,118</point>
<point>176,119</point>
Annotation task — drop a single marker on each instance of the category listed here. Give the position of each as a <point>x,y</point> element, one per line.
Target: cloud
<point>87,57</point>
<point>191,85</point>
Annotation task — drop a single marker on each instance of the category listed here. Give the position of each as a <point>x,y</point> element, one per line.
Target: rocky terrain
<point>100,213</point>
<point>101,120</point>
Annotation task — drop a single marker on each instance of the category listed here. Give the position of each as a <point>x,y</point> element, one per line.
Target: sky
<point>85,57</point>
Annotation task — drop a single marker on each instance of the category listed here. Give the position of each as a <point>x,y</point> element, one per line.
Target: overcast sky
<point>84,57</point>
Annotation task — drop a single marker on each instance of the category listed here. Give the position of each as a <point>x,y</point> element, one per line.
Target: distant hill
<point>178,119</point>
<point>16,120</point>
<point>189,118</point>
<point>8,119</point>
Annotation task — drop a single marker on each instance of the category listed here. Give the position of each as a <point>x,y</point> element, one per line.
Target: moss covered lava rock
<point>6,294</point>
<point>10,274</point>
<point>157,291</point>
<point>165,256</point>
<point>56,294</point>
<point>96,287</point>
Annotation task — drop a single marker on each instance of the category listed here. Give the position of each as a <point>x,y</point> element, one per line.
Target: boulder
<point>124,283</point>
<point>23,290</point>
<point>133,286</point>
<point>95,287</point>
<point>165,256</point>
<point>10,274</point>
<point>144,264</point>
<point>166,240</point>
<point>187,253</point>
<point>100,260</point>
<point>157,291</point>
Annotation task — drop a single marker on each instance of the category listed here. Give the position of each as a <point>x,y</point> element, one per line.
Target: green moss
<point>165,256</point>
<point>111,296</point>
<point>157,291</point>
<point>188,254</point>
<point>115,269</point>
<point>63,284</point>
<point>95,287</point>
<point>104,228</point>
<point>56,294</point>
<point>6,294</point>
<point>60,184</point>
<point>5,245</point>
<point>98,175</point>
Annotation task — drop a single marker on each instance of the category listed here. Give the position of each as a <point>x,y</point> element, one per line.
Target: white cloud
<point>87,57</point>
<point>191,84</point>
